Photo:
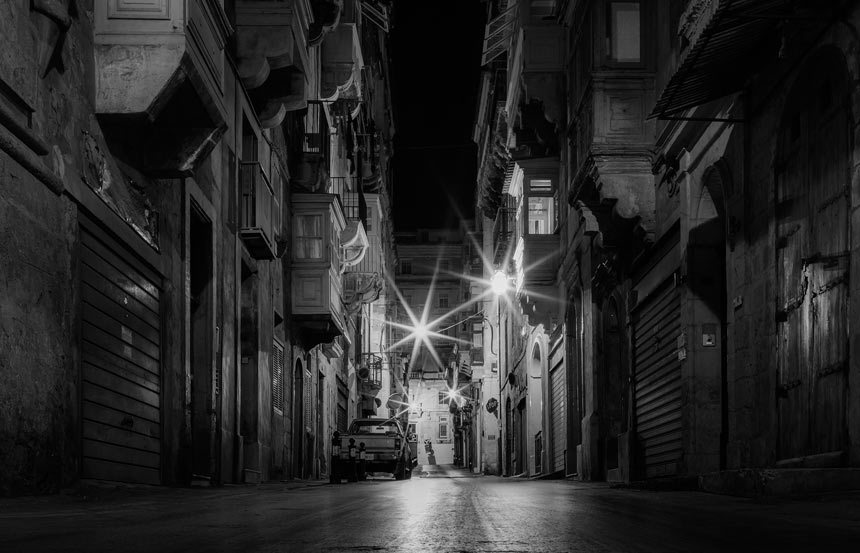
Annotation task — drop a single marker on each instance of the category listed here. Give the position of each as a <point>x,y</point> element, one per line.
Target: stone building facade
<point>182,185</point>
<point>701,155</point>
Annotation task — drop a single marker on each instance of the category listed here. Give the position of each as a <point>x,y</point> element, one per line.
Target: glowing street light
<point>499,283</point>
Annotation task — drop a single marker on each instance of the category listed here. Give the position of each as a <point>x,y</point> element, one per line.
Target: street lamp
<point>499,283</point>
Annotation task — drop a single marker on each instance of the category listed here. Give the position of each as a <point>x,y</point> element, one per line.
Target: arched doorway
<point>812,176</point>
<point>535,414</point>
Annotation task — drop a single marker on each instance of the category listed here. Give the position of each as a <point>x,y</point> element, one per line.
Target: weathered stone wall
<point>38,365</point>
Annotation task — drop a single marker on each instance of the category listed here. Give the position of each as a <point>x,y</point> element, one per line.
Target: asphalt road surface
<point>441,514</point>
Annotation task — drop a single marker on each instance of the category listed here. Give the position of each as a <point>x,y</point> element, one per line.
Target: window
<point>443,428</point>
<point>277,377</point>
<point>443,301</point>
<point>540,185</point>
<point>309,237</point>
<point>541,215</point>
<point>477,335</point>
<point>444,265</point>
<point>624,32</point>
<point>443,397</point>
<point>406,266</point>
<point>542,210</point>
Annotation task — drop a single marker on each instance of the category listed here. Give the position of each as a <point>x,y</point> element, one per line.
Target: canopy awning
<point>726,47</point>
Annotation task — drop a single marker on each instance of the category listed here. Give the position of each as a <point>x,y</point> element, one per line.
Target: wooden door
<point>812,195</point>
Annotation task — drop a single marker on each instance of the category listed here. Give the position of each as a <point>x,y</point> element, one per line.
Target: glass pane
<point>540,185</point>
<point>625,31</point>
<point>541,216</point>
<point>308,238</point>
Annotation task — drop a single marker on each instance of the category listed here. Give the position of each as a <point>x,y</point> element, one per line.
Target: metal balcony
<point>258,211</point>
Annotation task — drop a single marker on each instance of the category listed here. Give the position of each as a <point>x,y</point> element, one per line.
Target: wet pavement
<point>440,509</point>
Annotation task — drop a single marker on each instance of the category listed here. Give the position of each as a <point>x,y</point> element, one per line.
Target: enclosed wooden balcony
<point>160,75</point>
<point>272,55</point>
<point>342,62</point>
<point>317,301</point>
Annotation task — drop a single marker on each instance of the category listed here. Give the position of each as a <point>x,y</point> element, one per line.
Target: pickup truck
<point>385,445</point>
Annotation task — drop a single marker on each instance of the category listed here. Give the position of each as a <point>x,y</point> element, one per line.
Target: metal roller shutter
<point>656,326</point>
<point>557,406</point>
<point>120,362</point>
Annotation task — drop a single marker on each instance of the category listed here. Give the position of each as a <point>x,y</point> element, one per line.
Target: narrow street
<point>441,511</point>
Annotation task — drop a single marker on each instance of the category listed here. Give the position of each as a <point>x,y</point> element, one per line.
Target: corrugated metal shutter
<point>656,327</point>
<point>557,405</point>
<point>120,362</point>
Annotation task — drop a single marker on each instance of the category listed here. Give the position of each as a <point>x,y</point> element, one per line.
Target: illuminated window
<point>477,335</point>
<point>625,34</point>
<point>541,215</point>
<point>443,428</point>
<point>308,237</point>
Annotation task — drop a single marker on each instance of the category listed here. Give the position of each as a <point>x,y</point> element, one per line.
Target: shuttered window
<point>278,377</point>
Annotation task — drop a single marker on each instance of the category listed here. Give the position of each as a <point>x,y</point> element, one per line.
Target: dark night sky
<point>436,56</point>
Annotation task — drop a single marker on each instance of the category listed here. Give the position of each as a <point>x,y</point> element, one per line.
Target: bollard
<point>350,474</point>
<point>362,462</point>
<point>334,472</point>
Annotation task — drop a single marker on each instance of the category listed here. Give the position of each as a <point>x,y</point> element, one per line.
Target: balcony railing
<point>258,211</point>
<point>370,369</point>
<point>316,131</point>
<point>351,198</point>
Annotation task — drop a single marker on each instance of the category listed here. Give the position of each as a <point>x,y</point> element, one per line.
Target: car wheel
<point>400,470</point>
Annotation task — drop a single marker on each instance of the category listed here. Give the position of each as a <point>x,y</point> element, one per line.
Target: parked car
<point>385,445</point>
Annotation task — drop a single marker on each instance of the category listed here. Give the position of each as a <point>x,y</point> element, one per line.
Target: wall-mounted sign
<point>492,404</point>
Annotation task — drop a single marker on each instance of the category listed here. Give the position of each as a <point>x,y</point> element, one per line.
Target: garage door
<point>656,326</point>
<point>120,362</point>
